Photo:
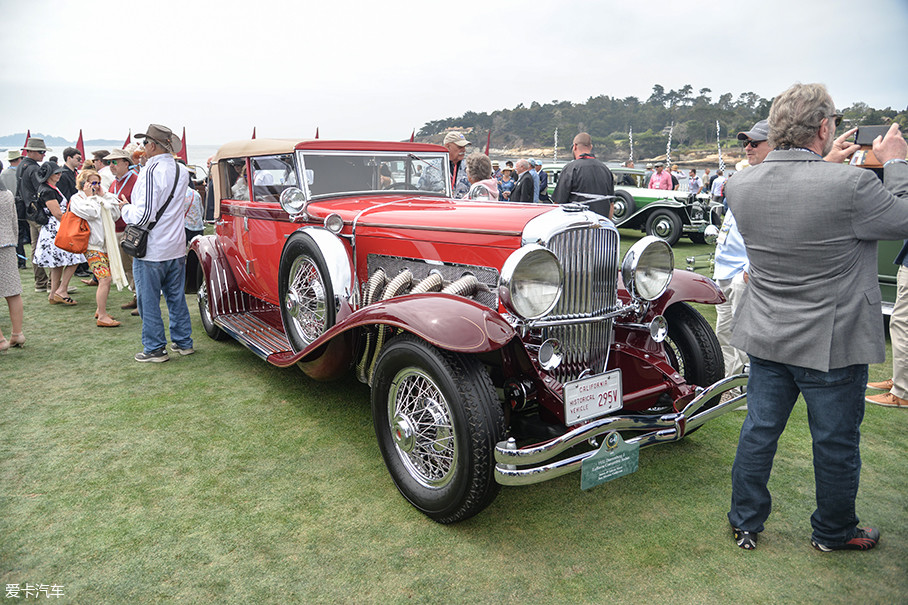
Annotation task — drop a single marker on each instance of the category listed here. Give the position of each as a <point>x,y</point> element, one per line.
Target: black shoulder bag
<point>35,210</point>
<point>135,238</point>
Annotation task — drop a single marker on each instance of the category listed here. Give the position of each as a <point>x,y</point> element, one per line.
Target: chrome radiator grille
<point>589,256</point>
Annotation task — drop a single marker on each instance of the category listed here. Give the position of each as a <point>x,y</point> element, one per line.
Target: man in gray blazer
<point>811,319</point>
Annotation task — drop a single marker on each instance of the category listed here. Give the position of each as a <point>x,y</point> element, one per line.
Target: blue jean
<point>835,409</point>
<point>152,278</point>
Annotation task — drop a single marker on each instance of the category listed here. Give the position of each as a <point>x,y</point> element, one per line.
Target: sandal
<point>63,300</point>
<point>17,339</point>
<point>4,345</point>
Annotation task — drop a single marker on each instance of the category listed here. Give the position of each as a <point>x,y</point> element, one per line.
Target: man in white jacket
<point>163,268</point>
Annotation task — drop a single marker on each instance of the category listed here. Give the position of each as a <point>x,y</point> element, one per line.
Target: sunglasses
<point>94,183</point>
<point>838,118</point>
<point>749,143</point>
<point>112,162</point>
<point>106,162</point>
<point>42,152</point>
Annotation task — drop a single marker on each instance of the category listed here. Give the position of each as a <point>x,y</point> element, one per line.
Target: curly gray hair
<point>479,167</point>
<point>796,115</point>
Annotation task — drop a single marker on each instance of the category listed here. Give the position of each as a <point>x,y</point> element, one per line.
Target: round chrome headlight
<point>647,268</point>
<point>531,281</point>
<point>334,223</point>
<point>293,201</point>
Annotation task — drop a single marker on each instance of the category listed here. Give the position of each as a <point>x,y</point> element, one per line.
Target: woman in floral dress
<point>62,264</point>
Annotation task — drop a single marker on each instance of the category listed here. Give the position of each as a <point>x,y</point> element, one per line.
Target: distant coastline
<point>14,141</point>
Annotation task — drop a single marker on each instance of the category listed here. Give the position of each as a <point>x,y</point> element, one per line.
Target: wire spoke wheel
<point>437,420</point>
<point>305,299</point>
<point>306,295</point>
<point>422,428</point>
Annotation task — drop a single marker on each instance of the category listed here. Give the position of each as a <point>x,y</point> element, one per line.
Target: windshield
<point>345,172</point>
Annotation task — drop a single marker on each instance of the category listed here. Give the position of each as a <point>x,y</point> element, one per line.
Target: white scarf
<point>117,273</point>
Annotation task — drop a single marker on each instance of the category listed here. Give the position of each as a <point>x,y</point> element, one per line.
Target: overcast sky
<point>379,69</point>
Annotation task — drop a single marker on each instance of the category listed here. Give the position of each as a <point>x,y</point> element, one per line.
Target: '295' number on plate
<point>592,397</point>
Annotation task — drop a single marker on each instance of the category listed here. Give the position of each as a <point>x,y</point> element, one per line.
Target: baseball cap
<point>760,132</point>
<point>456,137</point>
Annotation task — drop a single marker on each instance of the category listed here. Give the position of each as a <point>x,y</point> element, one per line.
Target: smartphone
<point>865,134</point>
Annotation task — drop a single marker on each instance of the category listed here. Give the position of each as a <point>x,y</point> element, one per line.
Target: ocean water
<point>197,154</point>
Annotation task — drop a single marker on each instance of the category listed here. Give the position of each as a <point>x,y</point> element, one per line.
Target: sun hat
<point>118,154</point>
<point>162,135</point>
<point>47,170</point>
<point>36,144</point>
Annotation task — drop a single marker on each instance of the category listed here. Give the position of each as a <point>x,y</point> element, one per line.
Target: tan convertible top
<point>254,147</point>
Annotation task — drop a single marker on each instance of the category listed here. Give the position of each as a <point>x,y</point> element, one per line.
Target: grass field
<point>218,478</point>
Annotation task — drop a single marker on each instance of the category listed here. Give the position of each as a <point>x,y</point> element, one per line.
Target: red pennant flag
<point>128,139</point>
<point>489,141</point>
<point>80,145</point>
<point>28,135</point>
<point>253,132</point>
<point>413,135</point>
<point>316,132</point>
<point>182,152</point>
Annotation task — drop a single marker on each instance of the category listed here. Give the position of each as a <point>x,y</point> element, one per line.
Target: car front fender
<point>446,321</point>
<point>687,286</point>
<point>639,217</point>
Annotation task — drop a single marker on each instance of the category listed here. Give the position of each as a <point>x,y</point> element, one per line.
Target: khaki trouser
<point>41,278</point>
<point>898,332</point>
<point>733,289</point>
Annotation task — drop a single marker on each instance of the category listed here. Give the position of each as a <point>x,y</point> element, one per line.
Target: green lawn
<point>218,478</point>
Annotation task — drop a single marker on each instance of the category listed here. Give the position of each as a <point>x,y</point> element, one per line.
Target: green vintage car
<point>667,215</point>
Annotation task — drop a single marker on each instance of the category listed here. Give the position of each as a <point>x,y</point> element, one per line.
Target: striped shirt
<point>168,239</point>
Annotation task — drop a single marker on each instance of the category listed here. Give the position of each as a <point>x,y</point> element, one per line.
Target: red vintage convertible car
<point>501,341</point>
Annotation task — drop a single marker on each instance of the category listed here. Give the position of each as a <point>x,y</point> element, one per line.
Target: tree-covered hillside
<point>608,121</point>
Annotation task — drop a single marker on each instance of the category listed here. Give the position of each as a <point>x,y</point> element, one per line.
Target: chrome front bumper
<point>668,427</point>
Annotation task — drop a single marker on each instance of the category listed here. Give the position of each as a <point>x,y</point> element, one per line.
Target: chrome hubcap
<point>662,228</point>
<point>306,300</point>
<point>422,428</point>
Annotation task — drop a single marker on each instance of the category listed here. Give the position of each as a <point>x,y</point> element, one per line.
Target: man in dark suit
<point>810,320</point>
<point>523,191</point>
<point>586,175</point>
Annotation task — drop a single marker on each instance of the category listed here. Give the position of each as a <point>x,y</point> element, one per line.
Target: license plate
<point>592,397</point>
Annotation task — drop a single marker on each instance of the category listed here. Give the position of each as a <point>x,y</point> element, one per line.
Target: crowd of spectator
<point>34,196</point>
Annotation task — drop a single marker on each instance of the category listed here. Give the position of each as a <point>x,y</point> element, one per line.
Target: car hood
<point>439,215</point>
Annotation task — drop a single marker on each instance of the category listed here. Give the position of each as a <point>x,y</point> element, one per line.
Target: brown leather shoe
<point>135,312</point>
<point>131,304</point>
<point>888,400</point>
<point>90,282</point>
<point>113,323</point>
<point>886,385</point>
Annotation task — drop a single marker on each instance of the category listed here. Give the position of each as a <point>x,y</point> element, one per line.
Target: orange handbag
<point>72,234</point>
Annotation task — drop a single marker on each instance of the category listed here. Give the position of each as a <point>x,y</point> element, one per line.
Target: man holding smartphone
<point>814,330</point>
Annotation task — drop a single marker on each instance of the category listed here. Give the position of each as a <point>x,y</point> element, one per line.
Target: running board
<point>253,332</point>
